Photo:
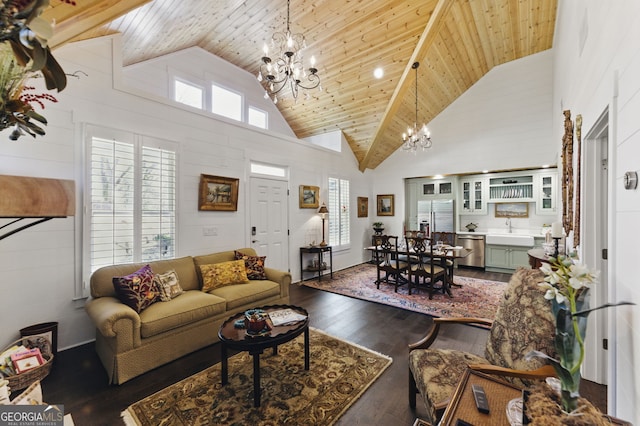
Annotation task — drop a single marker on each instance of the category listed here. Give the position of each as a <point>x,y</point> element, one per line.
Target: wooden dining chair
<point>389,267</point>
<point>426,267</point>
<point>448,238</point>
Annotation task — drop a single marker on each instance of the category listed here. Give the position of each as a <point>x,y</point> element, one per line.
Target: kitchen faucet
<point>508,223</point>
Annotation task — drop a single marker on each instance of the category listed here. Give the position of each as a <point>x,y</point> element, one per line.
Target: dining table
<point>441,253</point>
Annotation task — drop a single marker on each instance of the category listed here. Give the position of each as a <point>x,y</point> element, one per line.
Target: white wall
<point>154,77</point>
<point>41,275</point>
<point>596,67</point>
<point>504,121</point>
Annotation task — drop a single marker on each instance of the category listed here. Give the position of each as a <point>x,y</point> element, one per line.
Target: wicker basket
<point>23,380</point>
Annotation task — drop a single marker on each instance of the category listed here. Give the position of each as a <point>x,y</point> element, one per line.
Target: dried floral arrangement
<point>25,54</point>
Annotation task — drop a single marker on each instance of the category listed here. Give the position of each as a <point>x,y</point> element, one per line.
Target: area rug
<point>339,373</point>
<point>474,297</point>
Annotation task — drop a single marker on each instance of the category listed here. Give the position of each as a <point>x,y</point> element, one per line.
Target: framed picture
<point>385,205</point>
<point>218,193</point>
<point>512,210</point>
<point>309,197</point>
<point>363,207</point>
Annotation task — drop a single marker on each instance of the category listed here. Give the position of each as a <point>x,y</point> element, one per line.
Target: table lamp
<point>323,214</point>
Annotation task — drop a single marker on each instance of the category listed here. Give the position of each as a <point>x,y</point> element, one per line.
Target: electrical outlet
<point>210,231</point>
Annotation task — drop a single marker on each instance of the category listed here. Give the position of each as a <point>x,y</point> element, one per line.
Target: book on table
<point>285,317</point>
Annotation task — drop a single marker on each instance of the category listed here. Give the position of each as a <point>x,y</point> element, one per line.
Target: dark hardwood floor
<point>79,381</point>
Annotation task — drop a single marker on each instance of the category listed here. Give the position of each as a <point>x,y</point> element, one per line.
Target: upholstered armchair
<point>523,322</point>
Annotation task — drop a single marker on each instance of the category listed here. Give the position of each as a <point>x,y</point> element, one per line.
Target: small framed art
<point>309,196</point>
<point>385,205</point>
<point>512,210</point>
<point>363,206</point>
<point>218,193</point>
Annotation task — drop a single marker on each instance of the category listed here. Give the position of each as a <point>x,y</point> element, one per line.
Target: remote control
<point>481,399</point>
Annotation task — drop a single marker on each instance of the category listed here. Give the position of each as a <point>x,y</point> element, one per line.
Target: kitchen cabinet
<point>437,188</point>
<point>547,188</point>
<point>473,195</point>
<point>499,258</point>
<point>508,188</point>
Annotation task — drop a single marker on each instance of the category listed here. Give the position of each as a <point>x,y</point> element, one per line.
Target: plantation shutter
<point>132,195</point>
<point>339,212</point>
<point>158,203</point>
<point>111,194</point>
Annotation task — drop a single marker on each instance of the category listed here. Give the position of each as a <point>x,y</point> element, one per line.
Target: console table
<point>319,253</point>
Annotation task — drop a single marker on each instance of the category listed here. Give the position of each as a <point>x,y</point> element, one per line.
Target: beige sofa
<point>130,344</point>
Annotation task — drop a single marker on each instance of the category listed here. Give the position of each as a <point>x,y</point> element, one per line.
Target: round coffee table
<point>238,339</point>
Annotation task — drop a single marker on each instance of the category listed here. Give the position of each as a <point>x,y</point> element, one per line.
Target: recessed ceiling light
<point>378,73</point>
<point>485,171</point>
<point>545,166</point>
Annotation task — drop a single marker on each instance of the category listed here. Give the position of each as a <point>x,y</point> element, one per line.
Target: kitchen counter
<point>493,231</point>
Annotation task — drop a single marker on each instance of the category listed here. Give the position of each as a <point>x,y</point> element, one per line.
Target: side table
<point>319,253</point>
<point>463,406</point>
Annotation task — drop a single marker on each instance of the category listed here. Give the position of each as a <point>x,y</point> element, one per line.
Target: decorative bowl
<point>255,320</point>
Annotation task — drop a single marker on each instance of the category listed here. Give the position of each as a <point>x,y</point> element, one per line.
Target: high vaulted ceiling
<point>455,41</point>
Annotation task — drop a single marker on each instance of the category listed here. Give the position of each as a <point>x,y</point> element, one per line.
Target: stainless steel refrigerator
<point>436,216</point>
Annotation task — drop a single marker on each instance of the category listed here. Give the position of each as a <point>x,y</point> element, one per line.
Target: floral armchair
<point>523,322</point>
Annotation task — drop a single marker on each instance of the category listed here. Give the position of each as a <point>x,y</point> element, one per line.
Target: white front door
<point>269,221</point>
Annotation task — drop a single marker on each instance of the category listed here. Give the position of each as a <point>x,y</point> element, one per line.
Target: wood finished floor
<point>79,381</point>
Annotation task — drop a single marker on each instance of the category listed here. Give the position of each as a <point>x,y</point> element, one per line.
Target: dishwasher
<point>474,243</point>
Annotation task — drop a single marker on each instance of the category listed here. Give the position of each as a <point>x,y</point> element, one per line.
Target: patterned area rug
<point>475,297</point>
<point>340,372</point>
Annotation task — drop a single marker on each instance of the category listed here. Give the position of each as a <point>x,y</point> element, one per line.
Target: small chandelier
<point>286,69</point>
<point>415,138</point>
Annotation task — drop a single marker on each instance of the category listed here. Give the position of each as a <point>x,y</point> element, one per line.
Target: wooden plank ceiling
<point>455,41</point>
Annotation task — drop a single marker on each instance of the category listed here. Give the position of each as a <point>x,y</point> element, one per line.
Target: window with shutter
<point>339,213</point>
<point>131,211</point>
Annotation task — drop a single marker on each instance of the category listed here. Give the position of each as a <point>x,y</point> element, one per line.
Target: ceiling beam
<point>424,43</point>
<point>72,21</point>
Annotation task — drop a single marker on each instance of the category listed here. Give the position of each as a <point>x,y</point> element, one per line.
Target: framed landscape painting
<point>512,210</point>
<point>218,193</point>
<point>363,206</point>
<point>309,197</point>
<point>385,205</point>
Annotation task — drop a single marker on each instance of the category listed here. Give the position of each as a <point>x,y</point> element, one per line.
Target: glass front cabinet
<point>546,202</point>
<point>473,195</point>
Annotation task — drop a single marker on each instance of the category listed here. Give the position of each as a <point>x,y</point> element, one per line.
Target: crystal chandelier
<point>414,138</point>
<point>286,68</point>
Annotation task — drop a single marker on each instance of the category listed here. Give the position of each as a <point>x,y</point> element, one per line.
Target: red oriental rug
<point>475,297</point>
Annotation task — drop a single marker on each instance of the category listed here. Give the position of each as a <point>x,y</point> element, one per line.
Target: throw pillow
<point>168,285</point>
<point>220,274</point>
<point>137,290</point>
<point>254,265</point>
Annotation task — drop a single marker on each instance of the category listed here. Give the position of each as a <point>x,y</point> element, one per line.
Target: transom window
<point>226,103</point>
<point>188,94</point>
<point>257,118</point>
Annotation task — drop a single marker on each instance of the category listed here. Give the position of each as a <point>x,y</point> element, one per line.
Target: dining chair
<point>447,238</point>
<point>388,262</point>
<point>426,267</point>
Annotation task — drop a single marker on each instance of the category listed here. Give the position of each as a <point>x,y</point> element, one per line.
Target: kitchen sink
<point>510,240</point>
